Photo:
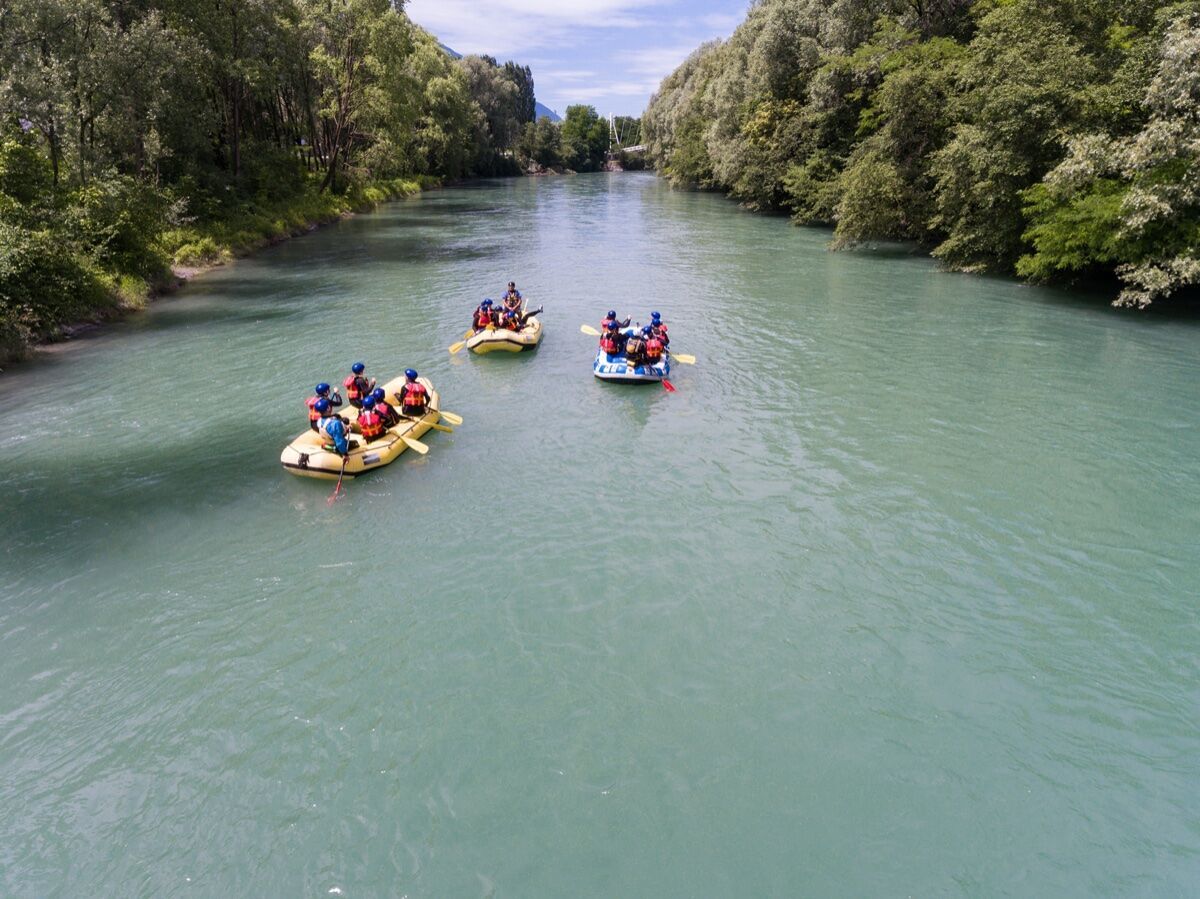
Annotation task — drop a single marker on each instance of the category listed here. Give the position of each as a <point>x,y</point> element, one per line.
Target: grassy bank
<point>53,292</point>
<point>255,225</point>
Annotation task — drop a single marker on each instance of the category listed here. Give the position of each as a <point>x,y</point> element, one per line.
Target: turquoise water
<point>896,595</point>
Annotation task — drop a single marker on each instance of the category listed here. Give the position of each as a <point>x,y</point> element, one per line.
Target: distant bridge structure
<point>616,139</point>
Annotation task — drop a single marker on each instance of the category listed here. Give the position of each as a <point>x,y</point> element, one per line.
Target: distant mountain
<point>541,110</point>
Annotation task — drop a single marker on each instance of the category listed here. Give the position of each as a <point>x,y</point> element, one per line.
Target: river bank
<point>201,246</point>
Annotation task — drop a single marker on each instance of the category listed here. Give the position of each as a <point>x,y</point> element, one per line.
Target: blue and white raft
<point>618,369</point>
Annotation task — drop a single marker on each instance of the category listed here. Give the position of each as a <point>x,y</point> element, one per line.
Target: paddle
<point>685,358</point>
<point>338,489</point>
<point>668,385</point>
<point>433,425</point>
<point>411,442</point>
<point>455,347</point>
<point>589,330</point>
<point>414,444</point>
<point>451,417</point>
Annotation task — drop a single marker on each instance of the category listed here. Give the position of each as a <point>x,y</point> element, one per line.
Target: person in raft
<point>654,346</point>
<point>660,329</point>
<point>635,349</point>
<point>414,398</point>
<point>386,411</point>
<point>612,341</point>
<point>483,317</point>
<point>512,320</point>
<point>611,319</point>
<point>332,427</point>
<point>370,423</point>
<point>512,297</point>
<point>322,393</point>
<point>357,385</point>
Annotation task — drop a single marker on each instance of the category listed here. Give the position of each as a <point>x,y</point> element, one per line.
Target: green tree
<point>540,143</point>
<point>1131,202</point>
<point>1023,86</point>
<point>526,101</point>
<point>584,139</point>
<point>887,187</point>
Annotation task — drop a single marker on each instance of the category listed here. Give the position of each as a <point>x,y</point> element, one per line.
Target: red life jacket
<point>660,331</point>
<point>654,348</point>
<point>370,424</point>
<point>608,323</point>
<point>356,387</point>
<point>608,343</point>
<point>482,319</point>
<point>414,396</point>
<point>313,414</point>
<point>386,412</point>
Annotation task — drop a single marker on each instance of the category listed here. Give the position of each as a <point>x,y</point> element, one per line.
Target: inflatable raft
<point>503,341</point>
<point>617,368</point>
<point>307,456</point>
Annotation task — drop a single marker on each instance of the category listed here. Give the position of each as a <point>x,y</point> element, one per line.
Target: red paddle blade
<point>667,384</point>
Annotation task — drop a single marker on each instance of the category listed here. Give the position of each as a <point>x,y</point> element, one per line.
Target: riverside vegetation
<point>138,135</point>
<point>1053,139</point>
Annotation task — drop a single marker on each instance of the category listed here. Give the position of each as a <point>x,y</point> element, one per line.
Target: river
<point>896,595</point>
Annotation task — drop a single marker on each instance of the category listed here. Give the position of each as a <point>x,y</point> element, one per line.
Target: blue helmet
<point>647,330</point>
<point>358,368</point>
<point>321,405</point>
<point>487,302</point>
<point>377,394</point>
<point>369,402</point>
<point>411,374</point>
<point>612,313</point>
<point>655,316</point>
<point>322,389</point>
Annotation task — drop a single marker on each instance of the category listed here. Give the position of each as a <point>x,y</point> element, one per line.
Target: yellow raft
<point>504,341</point>
<point>307,457</point>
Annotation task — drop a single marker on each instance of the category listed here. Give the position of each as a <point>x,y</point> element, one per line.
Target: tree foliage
<point>584,139</point>
<point>121,123</point>
<point>1047,137</point>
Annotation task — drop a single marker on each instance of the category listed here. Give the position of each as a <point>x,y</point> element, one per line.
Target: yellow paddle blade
<point>451,417</point>
<point>455,347</point>
<point>468,335</point>
<point>685,358</point>
<point>589,330</point>
<point>442,428</point>
<point>414,444</point>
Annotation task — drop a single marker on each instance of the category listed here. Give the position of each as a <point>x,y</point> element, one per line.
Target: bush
<point>25,174</point>
<point>118,219</point>
<point>43,287</point>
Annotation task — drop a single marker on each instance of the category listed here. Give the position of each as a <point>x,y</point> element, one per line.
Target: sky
<point>609,53</point>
